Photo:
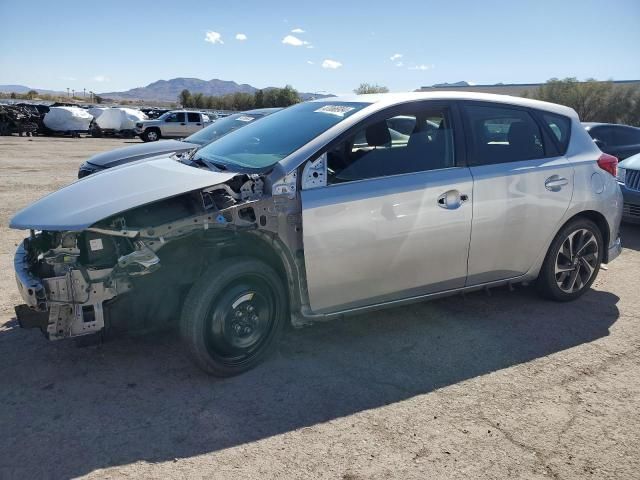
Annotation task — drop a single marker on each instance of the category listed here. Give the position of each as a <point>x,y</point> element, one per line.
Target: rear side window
<point>627,136</point>
<point>193,117</point>
<point>502,134</point>
<point>560,127</point>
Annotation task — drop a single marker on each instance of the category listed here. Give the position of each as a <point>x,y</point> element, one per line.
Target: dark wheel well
<point>603,226</point>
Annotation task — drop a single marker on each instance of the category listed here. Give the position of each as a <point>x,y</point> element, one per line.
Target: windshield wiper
<point>209,163</point>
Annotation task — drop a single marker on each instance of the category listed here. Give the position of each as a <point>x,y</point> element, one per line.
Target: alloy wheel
<point>576,261</point>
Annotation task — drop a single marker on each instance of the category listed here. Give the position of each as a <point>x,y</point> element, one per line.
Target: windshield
<point>264,143</point>
<point>221,127</point>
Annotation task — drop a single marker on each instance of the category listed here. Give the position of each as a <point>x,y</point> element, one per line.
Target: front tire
<point>150,135</point>
<point>572,262</point>
<point>233,316</point>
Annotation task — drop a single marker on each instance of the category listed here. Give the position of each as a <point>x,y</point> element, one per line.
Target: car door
<point>194,122</point>
<point>393,220</point>
<point>175,125</point>
<point>522,187</point>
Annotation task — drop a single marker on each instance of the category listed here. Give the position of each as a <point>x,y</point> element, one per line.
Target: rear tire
<point>150,135</point>
<point>233,316</point>
<point>572,262</point>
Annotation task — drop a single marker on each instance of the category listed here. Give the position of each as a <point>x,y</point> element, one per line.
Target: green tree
<point>13,95</point>
<point>185,98</point>
<point>31,94</point>
<point>258,99</point>
<point>370,88</point>
<point>594,101</point>
<point>197,100</point>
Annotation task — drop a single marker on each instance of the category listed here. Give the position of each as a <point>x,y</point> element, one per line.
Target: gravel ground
<point>500,386</point>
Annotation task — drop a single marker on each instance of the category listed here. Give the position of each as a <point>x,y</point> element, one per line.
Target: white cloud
<point>309,62</point>
<point>310,46</point>
<point>297,30</point>
<point>399,64</point>
<point>70,79</point>
<point>294,41</point>
<point>420,67</point>
<point>101,78</point>
<point>395,56</point>
<point>331,64</point>
<point>241,36</point>
<point>213,37</point>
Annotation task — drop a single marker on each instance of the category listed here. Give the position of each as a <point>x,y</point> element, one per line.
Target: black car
<point>621,141</point>
<point>219,128</point>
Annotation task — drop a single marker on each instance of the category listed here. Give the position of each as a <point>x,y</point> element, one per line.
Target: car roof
<point>389,99</point>
<point>589,125</point>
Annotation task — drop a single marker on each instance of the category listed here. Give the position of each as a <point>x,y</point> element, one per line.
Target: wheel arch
<point>602,224</point>
<point>269,249</point>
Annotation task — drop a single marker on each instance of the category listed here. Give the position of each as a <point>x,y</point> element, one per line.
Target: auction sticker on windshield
<point>244,118</point>
<point>339,110</point>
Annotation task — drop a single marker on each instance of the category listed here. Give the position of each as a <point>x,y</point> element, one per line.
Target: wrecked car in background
<point>321,210</point>
<point>133,153</point>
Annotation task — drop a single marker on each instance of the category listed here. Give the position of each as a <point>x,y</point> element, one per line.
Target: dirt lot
<point>506,386</point>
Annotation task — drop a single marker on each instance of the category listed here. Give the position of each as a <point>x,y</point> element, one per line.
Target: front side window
<point>175,117</point>
<point>501,134</point>
<point>396,145</point>
<point>262,144</point>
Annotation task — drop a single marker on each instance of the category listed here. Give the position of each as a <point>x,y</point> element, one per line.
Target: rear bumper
<point>614,250</point>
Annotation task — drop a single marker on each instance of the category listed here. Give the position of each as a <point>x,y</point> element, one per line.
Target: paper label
<point>244,118</point>
<point>338,110</point>
<point>95,244</point>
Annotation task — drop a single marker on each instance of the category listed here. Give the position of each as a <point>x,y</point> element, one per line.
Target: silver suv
<point>326,208</point>
<point>176,124</point>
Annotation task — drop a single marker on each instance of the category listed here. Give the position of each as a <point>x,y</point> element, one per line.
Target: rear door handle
<point>452,199</point>
<point>555,183</point>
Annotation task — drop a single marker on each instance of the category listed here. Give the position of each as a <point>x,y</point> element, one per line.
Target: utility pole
<point>84,92</point>
<point>67,91</point>
<point>73,93</point>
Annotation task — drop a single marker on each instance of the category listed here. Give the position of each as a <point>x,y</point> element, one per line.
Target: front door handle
<point>555,182</point>
<point>452,199</point>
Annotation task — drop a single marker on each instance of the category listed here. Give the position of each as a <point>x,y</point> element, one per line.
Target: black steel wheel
<point>233,316</point>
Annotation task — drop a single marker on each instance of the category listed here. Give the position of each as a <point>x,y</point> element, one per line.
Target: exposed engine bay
<point>77,282</point>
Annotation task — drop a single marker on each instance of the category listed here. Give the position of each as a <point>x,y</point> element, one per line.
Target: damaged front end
<point>131,269</point>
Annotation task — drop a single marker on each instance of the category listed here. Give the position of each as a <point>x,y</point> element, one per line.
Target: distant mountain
<point>25,89</point>
<point>455,84</point>
<point>168,90</point>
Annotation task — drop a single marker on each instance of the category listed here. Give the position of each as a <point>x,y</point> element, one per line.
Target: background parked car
<point>629,180</point>
<point>176,123</point>
<point>622,141</point>
<point>207,135</point>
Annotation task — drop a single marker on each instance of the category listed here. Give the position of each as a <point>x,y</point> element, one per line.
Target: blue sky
<point>332,46</point>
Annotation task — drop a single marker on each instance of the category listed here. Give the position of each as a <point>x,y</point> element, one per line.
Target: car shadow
<point>141,399</point>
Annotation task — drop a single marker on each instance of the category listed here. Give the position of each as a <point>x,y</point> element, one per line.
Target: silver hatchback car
<point>326,208</point>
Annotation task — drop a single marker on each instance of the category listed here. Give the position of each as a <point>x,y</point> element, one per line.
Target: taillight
<point>608,163</point>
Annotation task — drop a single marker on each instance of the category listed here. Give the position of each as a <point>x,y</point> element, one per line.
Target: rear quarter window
<point>560,127</point>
